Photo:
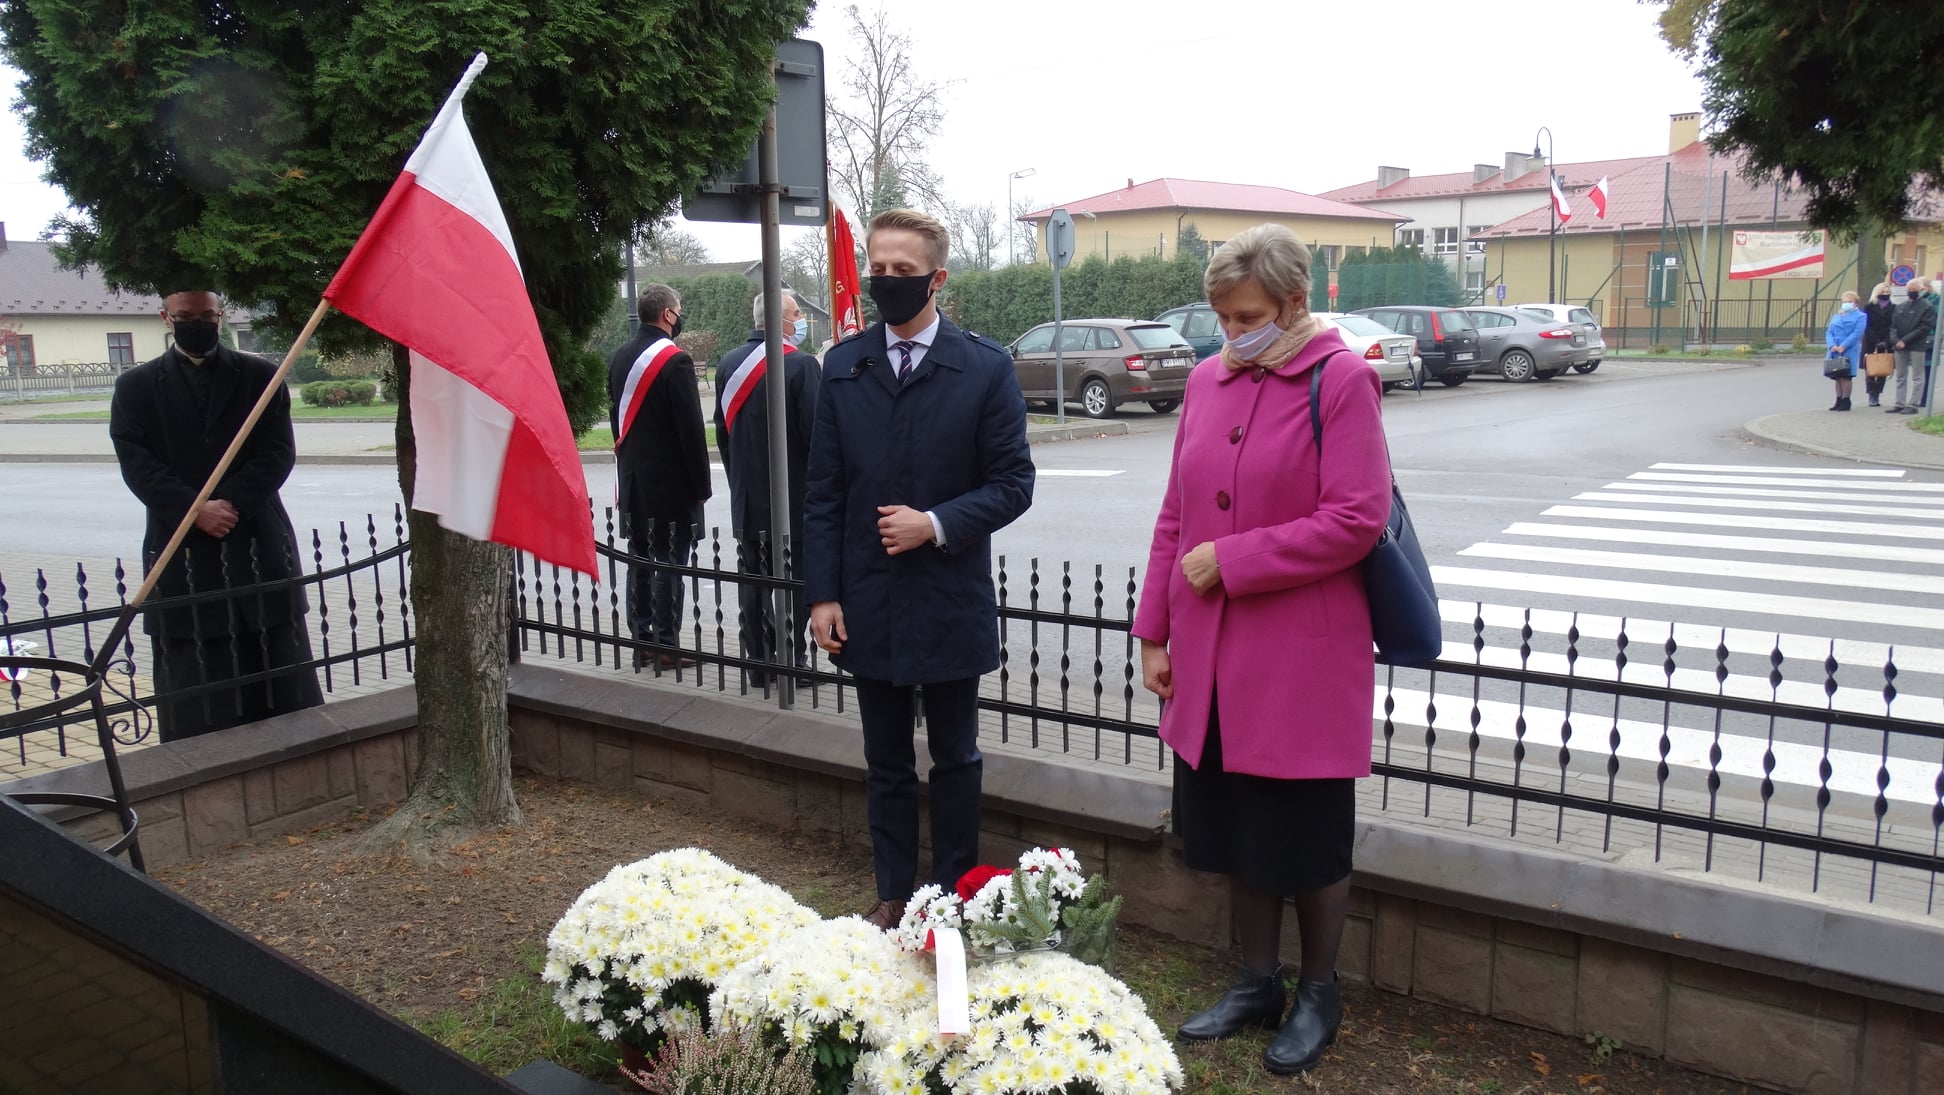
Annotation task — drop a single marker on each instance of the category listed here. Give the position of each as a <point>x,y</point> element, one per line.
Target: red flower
<point>975,879</point>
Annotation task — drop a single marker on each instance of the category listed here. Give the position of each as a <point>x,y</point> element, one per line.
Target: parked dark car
<point>1447,339</point>
<point>1197,324</point>
<point>1526,347</point>
<point>1108,362</point>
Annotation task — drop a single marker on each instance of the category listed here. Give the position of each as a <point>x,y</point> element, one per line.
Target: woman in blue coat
<point>1845,340</point>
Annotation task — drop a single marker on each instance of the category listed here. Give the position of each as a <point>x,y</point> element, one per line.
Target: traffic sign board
<point>1902,274</point>
<point>1501,292</point>
<point>1059,238</point>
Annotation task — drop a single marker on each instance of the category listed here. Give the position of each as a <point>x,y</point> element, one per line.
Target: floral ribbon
<point>954,998</point>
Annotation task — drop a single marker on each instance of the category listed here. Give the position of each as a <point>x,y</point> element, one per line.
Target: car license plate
<point>1461,357</point>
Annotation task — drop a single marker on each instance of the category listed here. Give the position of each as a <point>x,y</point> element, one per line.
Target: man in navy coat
<point>919,455</point>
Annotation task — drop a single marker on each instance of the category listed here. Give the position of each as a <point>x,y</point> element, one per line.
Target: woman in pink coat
<point>1255,630</point>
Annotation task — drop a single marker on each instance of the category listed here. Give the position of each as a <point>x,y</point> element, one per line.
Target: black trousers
<point>189,663</point>
<point>757,606</point>
<point>655,593</point>
<point>891,780</point>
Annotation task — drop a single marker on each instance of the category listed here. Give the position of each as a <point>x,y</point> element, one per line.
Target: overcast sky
<point>1091,93</point>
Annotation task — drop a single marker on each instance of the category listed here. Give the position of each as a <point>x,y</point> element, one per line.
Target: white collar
<point>923,338</point>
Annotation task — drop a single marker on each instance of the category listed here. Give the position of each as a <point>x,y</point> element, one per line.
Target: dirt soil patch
<point>448,942</point>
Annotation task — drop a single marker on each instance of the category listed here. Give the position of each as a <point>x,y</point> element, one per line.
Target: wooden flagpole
<point>126,620</point>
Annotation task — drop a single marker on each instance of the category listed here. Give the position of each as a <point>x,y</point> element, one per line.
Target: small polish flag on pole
<point>1560,205</point>
<point>436,270</point>
<point>1598,196</point>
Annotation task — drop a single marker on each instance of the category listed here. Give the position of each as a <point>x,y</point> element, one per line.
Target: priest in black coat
<point>245,655</point>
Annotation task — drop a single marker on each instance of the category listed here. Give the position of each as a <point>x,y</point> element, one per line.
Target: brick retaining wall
<point>1759,986</point>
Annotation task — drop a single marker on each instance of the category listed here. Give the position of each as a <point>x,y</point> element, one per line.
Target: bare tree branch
<point>887,119</point>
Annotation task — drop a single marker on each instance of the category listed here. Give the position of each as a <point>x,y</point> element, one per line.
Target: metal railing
<point>1813,765</point>
<point>70,377</point>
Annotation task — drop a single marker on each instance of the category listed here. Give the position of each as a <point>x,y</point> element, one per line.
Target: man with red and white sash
<point>742,435</point>
<point>661,458</point>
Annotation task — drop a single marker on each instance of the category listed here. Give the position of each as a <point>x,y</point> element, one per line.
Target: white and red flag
<point>1598,196</point>
<point>1561,207</point>
<point>436,271</point>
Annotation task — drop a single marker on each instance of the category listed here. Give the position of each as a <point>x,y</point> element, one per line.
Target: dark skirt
<point>1281,836</point>
<point>182,664</point>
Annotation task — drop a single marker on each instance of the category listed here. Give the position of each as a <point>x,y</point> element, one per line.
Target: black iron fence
<point>1817,768</point>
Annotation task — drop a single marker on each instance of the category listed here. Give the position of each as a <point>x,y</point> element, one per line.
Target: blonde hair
<point>1268,254</point>
<point>1850,295</point>
<point>938,242</point>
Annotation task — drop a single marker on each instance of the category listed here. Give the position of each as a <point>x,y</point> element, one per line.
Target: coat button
<point>1255,374</point>
<point>1235,436</point>
<point>1221,499</point>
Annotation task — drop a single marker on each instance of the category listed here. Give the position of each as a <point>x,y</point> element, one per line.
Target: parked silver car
<point>1522,346</point>
<point>1394,356</point>
<point>1573,313</point>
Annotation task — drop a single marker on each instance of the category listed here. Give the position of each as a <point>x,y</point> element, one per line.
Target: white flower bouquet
<point>834,989</point>
<point>1041,1023</point>
<point>639,951</point>
<point>1045,903</point>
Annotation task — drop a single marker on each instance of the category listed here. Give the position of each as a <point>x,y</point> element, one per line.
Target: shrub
<point>734,1058</point>
<point>1800,342</point>
<point>1660,348</point>
<point>339,393</point>
<point>1761,344</point>
<point>1745,350</point>
<point>1705,351</point>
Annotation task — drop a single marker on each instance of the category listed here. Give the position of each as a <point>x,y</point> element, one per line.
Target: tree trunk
<point>460,599</point>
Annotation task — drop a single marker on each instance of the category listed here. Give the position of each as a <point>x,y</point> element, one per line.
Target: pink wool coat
<point>1283,641</point>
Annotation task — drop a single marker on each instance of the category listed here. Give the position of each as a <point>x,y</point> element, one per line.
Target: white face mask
<point>1248,346</point>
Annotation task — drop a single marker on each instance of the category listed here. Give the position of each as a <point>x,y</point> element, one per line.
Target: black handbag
<point>1404,618</point>
<point>1837,368</point>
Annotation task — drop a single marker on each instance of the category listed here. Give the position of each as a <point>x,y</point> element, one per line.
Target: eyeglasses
<point>187,317</point>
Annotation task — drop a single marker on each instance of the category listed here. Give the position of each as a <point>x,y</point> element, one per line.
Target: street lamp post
<point>1552,213</point>
<point>1012,251</point>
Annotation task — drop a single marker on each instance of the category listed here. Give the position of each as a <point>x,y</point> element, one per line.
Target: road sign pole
<point>1059,251</point>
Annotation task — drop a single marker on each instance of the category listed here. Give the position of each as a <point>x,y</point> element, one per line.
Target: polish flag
<point>846,296</point>
<point>436,271</point>
<point>1560,205</point>
<point>1598,196</point>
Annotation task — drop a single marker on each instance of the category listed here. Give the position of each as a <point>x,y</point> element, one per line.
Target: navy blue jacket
<point>951,440</point>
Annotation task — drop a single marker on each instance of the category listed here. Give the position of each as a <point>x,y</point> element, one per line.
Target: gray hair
<point>1268,254</point>
<point>654,300</point>
<point>756,307</point>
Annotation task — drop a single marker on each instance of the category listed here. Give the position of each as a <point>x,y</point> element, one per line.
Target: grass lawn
<point>1933,424</point>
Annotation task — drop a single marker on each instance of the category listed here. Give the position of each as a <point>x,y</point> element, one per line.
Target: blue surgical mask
<point>1247,347</point>
<point>802,329</point>
<point>1849,306</point>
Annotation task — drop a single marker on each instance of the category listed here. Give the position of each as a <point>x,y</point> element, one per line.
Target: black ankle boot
<point>1312,1026</point>
<point>1845,404</point>
<point>1253,1001</point>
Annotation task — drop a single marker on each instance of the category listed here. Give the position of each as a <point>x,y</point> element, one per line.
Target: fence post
<point>70,371</point>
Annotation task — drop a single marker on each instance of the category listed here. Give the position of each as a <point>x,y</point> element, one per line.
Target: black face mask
<point>197,336</point>
<point>1912,295</point>
<point>899,300</point>
<point>1883,300</point>
<point>675,328</point>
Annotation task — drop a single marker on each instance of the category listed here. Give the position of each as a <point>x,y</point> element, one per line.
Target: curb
<point>1034,435</point>
<point>1755,430</point>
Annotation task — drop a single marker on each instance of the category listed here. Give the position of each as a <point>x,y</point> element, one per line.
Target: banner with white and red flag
<point>846,292</point>
<point>1561,207</point>
<point>1598,196</point>
<point>436,270</point>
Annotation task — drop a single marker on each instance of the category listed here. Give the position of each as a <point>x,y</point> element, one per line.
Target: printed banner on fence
<point>1763,256</point>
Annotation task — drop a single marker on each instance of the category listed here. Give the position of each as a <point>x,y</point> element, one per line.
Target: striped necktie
<point>904,359</point>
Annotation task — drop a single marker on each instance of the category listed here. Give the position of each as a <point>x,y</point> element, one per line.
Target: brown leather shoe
<point>886,914</point>
<point>675,661</point>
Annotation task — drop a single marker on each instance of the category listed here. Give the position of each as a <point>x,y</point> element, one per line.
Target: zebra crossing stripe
<point>1776,545</point>
<point>1740,469</point>
<point>1741,503</point>
<point>1707,567</point>
<point>1728,600</point>
<point>1736,520</point>
<point>1852,772</point>
<point>1778,481</point>
<point>1764,492</point>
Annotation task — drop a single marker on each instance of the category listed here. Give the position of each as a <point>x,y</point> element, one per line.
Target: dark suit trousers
<point>182,664</point>
<point>758,609</point>
<point>891,781</point>
<point>654,592</point>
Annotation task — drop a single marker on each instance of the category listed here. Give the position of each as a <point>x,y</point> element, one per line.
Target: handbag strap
<point>1316,414</point>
